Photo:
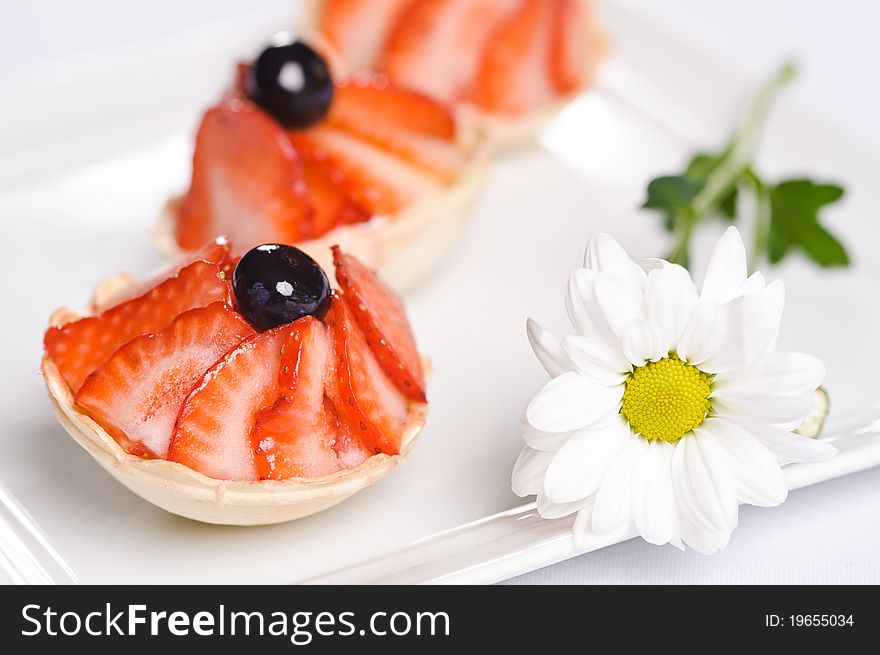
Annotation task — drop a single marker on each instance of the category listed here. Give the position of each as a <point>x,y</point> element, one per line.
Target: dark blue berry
<point>277,284</point>
<point>291,82</point>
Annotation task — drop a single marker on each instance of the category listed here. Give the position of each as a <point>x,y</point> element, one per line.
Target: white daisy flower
<point>668,408</point>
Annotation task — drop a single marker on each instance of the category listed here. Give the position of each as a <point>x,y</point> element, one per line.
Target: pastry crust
<point>181,490</point>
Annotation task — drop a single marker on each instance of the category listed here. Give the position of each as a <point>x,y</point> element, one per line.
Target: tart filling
<point>245,371</point>
<point>506,63</point>
<point>290,155</point>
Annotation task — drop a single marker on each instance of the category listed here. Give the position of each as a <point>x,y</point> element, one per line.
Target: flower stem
<point>734,165</point>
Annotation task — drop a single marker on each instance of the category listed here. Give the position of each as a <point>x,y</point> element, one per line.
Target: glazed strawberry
<point>368,402</point>
<point>213,430</point>
<point>374,98</point>
<point>81,346</point>
<point>332,206</point>
<point>301,435</point>
<point>514,74</point>
<point>357,29</point>
<point>381,317</point>
<point>436,47</point>
<point>137,394</point>
<point>120,288</point>
<point>375,112</point>
<point>376,180</point>
<point>247,182</point>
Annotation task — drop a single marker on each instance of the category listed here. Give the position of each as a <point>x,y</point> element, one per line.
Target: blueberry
<point>277,284</point>
<point>291,82</point>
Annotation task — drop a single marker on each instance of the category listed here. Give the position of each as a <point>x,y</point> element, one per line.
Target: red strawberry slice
<point>514,75</point>
<point>215,251</point>
<point>78,348</point>
<point>399,122</point>
<point>357,29</point>
<point>381,317</point>
<point>332,206</point>
<point>375,180</point>
<point>569,44</point>
<point>368,402</point>
<point>301,435</point>
<point>373,97</point>
<point>247,182</point>
<point>137,394</point>
<point>437,45</point>
<point>213,431</point>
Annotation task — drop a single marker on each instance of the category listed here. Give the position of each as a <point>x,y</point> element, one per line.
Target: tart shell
<point>180,490</point>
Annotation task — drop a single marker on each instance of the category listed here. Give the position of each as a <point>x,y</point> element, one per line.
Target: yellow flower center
<point>666,399</point>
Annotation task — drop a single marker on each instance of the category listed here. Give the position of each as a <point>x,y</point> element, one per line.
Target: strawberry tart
<point>240,391</point>
<point>507,65</point>
<point>293,155</point>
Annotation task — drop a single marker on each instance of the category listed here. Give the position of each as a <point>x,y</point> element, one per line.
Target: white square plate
<point>80,194</point>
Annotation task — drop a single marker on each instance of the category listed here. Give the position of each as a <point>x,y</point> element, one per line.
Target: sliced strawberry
<point>213,431</point>
<point>137,394</point>
<point>419,52</point>
<point>381,317</point>
<point>374,98</point>
<point>301,435</point>
<point>514,74</point>
<point>375,180</point>
<point>332,206</point>
<point>78,348</point>
<point>215,251</point>
<point>357,29</point>
<point>247,182</point>
<point>569,45</point>
<point>368,402</point>
<point>375,113</point>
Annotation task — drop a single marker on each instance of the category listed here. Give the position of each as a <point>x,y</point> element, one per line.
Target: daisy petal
<point>550,510</point>
<point>747,325</point>
<point>756,283</point>
<point>621,303</point>
<point>726,271</point>
<point>540,440</point>
<point>605,255</point>
<point>788,447</point>
<point>585,538</point>
<point>758,477</point>
<point>547,349</point>
<point>702,336</point>
<point>612,510</point>
<point>703,486</point>
<point>786,410</point>
<point>704,540</point>
<point>775,291</point>
<point>578,467</point>
<point>642,342</point>
<point>670,298</point>
<point>528,472</point>
<point>595,361</point>
<point>776,373</point>
<point>571,402</point>
<point>654,511</point>
<point>584,311</point>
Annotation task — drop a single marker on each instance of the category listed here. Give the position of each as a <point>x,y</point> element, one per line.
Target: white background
<point>828,533</point>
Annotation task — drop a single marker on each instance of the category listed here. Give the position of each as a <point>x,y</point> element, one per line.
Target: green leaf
<point>701,167</point>
<point>672,195</point>
<point>794,222</point>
